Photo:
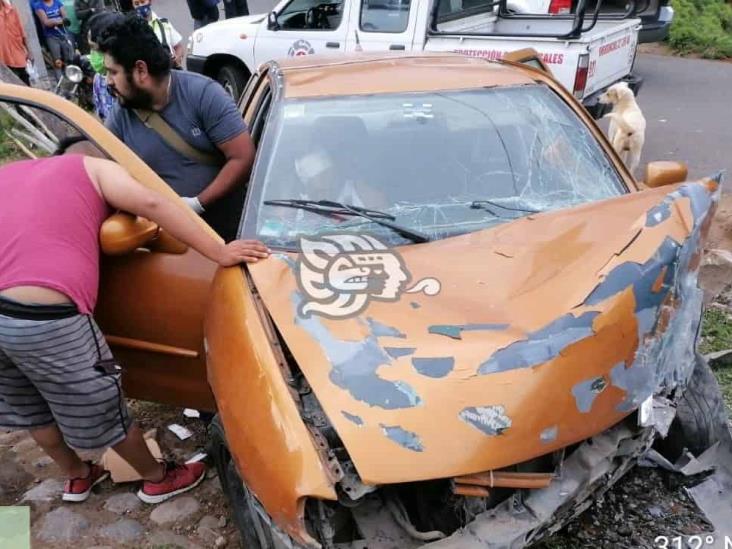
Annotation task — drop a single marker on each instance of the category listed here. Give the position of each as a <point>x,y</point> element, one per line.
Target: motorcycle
<point>77,82</point>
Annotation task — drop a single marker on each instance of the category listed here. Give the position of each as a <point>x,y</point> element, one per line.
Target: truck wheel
<point>701,419</point>
<point>232,79</point>
<point>254,530</point>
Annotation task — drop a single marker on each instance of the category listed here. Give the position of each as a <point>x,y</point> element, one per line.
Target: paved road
<point>688,107</point>
<point>687,102</point>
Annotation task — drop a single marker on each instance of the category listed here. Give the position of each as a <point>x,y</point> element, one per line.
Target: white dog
<point>627,131</point>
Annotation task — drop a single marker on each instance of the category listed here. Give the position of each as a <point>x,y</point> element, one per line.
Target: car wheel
<point>254,530</point>
<point>701,419</point>
<point>232,79</point>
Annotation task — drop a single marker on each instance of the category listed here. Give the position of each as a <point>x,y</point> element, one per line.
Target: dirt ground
<point>644,504</point>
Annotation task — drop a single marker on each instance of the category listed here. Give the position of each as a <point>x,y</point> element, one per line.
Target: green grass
<point>8,150</point>
<point>702,27</point>
<point>717,336</point>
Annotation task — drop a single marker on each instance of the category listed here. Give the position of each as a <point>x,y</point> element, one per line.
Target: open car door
<point>152,297</point>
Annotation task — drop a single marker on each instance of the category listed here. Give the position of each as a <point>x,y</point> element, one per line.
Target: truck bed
<point>487,25</point>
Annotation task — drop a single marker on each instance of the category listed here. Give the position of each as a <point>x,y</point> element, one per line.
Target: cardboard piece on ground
<point>120,470</point>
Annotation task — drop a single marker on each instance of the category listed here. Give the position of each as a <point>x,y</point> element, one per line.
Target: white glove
<point>194,204</point>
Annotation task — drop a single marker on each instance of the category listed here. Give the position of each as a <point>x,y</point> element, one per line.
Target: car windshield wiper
<point>488,206</point>
<point>340,208</point>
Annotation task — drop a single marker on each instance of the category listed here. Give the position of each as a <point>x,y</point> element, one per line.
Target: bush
<point>703,27</point>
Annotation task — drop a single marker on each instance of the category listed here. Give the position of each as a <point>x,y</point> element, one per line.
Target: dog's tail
<point>621,122</point>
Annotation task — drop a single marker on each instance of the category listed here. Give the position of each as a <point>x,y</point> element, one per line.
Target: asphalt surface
<point>687,102</point>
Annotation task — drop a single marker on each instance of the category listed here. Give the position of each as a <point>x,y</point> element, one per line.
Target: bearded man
<point>158,108</point>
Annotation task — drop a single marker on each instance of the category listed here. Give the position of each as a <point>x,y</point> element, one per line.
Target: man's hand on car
<point>242,251</point>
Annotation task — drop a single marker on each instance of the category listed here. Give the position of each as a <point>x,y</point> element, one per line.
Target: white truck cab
<point>585,52</point>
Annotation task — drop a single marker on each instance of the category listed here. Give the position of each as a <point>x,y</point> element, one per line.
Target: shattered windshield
<point>441,164</point>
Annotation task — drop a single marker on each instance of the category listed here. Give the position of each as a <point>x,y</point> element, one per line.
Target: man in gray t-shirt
<point>195,107</point>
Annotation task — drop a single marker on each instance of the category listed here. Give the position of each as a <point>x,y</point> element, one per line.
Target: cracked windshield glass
<point>438,164</point>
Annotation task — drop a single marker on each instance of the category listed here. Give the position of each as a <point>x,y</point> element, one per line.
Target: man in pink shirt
<point>58,378</point>
<point>14,51</point>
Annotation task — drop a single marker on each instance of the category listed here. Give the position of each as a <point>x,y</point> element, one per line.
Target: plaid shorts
<point>47,376</point>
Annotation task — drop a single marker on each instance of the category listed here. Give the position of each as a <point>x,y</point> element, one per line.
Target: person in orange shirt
<point>14,52</point>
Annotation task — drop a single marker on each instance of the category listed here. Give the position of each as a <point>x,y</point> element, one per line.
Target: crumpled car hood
<point>545,331</point>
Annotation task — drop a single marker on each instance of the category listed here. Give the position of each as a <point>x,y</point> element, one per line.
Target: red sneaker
<point>78,489</point>
<point>177,479</point>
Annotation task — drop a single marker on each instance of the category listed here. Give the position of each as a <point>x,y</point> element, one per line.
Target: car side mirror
<point>272,23</point>
<point>122,233</point>
<point>665,172</point>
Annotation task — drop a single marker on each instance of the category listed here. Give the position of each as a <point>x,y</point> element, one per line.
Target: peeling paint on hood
<point>504,362</point>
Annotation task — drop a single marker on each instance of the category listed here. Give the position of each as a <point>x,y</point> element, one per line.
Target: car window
<point>442,163</point>
<point>384,15</point>
<point>311,15</point>
<point>29,132</point>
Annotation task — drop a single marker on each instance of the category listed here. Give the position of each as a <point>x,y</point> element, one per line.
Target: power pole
<point>26,16</point>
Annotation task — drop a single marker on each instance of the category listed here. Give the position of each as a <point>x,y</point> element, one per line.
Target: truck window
<point>384,15</point>
<point>311,15</point>
<point>449,10</point>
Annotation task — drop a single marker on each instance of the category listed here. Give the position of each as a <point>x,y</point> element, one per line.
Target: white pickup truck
<point>585,52</point>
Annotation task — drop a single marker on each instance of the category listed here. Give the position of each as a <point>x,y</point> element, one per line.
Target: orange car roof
<point>364,74</point>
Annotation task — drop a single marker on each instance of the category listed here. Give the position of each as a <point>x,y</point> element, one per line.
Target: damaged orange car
<point>474,321</point>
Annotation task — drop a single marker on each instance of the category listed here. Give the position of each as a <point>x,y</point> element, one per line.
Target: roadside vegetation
<point>717,336</point>
<point>8,150</point>
<point>702,27</point>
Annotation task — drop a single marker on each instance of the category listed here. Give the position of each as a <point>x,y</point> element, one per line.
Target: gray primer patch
<point>638,382</point>
<point>380,330</point>
<point>541,345</point>
<point>396,352</point>
<point>402,437</point>
<point>585,392</point>
<point>455,330</point>
<point>415,305</point>
<point>352,418</point>
<point>354,364</point>
<point>492,420</point>
<point>434,367</point>
<point>549,434</point>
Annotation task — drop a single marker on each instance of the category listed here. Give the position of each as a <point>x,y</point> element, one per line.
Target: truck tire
<point>254,531</point>
<point>232,79</point>
<point>701,419</point>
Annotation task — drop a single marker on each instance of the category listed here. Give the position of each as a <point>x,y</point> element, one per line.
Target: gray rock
<point>175,510</point>
<point>222,521</point>
<point>25,446</point>
<point>123,530</point>
<point>43,461</point>
<point>122,503</point>
<point>13,437</point>
<point>166,538</point>
<point>48,490</point>
<point>209,521</point>
<point>655,511</point>
<point>62,525</point>
<point>207,535</point>
<point>220,542</point>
